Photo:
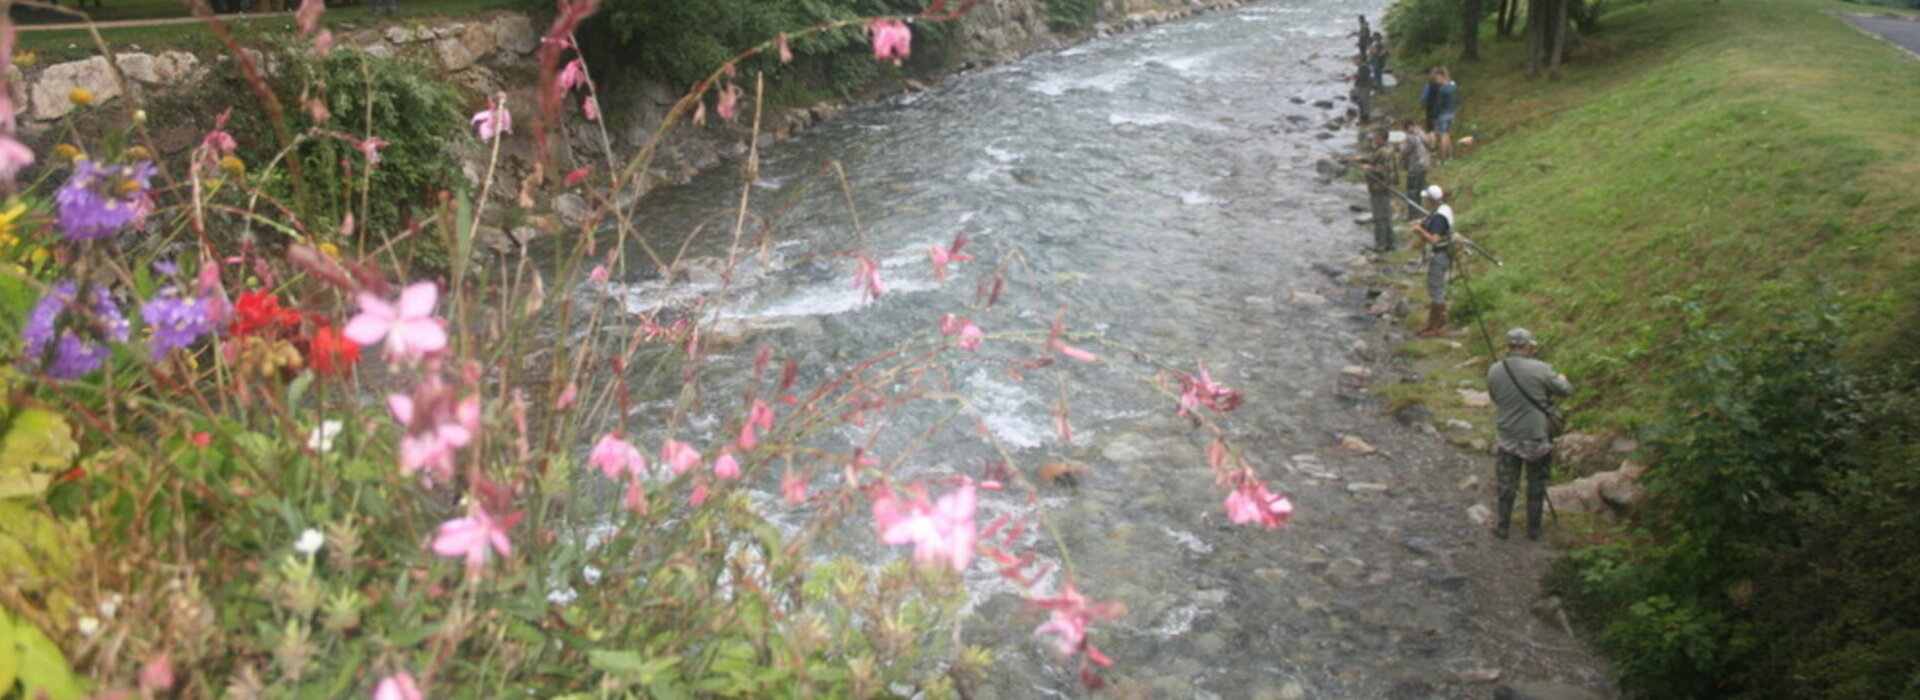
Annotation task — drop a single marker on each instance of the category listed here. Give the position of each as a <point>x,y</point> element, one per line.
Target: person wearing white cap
<point>1523,389</point>
<point>1437,229</point>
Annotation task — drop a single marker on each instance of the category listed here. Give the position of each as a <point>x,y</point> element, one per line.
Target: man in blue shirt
<point>1441,96</point>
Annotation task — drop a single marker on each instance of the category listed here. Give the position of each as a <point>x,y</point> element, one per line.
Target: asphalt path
<point>1901,32</point>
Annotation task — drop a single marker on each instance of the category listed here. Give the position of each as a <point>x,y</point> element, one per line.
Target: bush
<point>1417,27</point>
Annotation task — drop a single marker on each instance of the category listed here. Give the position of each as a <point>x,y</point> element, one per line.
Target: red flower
<point>331,354</point>
<point>260,312</point>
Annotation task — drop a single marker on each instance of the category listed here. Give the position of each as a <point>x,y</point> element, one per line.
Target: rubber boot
<point>1506,517</point>
<point>1436,322</point>
<point>1535,502</point>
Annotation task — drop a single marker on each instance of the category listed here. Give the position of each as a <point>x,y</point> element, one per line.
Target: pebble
<point>1475,399</point>
<point>1213,597</point>
<point>1458,424</point>
<point>1422,545</point>
<point>1357,445</point>
<point>1356,371</point>
<point>1470,483</point>
<point>1480,675</point>
<point>1292,691</point>
<point>1480,514</point>
<point>1304,298</point>
<point>1365,487</point>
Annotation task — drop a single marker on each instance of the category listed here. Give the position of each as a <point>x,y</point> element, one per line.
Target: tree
<point>1470,30</point>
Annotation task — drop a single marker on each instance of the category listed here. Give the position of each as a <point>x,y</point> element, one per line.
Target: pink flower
<point>699,495</point>
<point>636,497</point>
<point>323,43</point>
<point>786,52</point>
<point>1203,391</point>
<point>679,455</point>
<point>761,417</point>
<point>438,426</point>
<point>941,532</point>
<point>370,147</point>
<point>1072,615</point>
<point>157,675</point>
<point>891,39</point>
<point>598,274</point>
<point>970,335</point>
<point>942,256</point>
<point>14,156</point>
<point>793,488</point>
<point>495,119</point>
<point>399,686</point>
<point>727,102</point>
<point>726,467</point>
<point>867,278</point>
<point>472,537</point>
<point>411,330</point>
<point>590,108</point>
<point>574,73</point>
<point>308,16</point>
<point>615,457</point>
<point>1054,342</point>
<point>1250,502</point>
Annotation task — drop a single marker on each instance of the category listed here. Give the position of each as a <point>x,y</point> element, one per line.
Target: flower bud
<point>81,97</point>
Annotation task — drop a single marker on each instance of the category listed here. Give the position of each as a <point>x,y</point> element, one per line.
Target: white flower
<point>87,626</point>
<point>321,439</point>
<point>309,542</point>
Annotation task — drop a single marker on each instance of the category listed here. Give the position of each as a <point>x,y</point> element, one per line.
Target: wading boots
<point>1436,322</point>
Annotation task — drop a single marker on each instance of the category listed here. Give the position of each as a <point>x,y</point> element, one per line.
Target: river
<point>1160,186</point>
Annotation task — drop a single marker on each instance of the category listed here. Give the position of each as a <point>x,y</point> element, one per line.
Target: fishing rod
<point>1468,242</point>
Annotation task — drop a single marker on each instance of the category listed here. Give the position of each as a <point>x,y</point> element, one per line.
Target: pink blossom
<point>726,467</point>
<point>411,330</point>
<point>786,51</point>
<point>760,416</point>
<point>399,686</point>
<point>1250,502</point>
<point>1071,615</point>
<point>308,16</point>
<point>370,147</point>
<point>970,334</point>
<point>679,455</point>
<point>942,256</point>
<point>867,278</point>
<point>891,39</point>
<point>615,457</point>
<point>636,497</point>
<point>598,274</point>
<point>727,102</point>
<point>157,674</point>
<point>567,396</point>
<point>590,108</point>
<point>14,156</point>
<point>1203,391</point>
<point>793,488</point>
<point>438,426</point>
<point>323,43</point>
<point>494,120</point>
<point>472,537</point>
<point>574,73</point>
<point>940,532</point>
<point>699,495</point>
<point>1054,342</point>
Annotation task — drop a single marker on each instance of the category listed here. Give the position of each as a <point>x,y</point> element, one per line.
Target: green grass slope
<point>1696,163</point>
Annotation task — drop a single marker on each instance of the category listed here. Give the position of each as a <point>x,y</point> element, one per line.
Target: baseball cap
<point>1520,338</point>
<point>1435,193</point>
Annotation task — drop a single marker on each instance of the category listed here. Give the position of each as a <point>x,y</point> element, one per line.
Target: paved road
<point>1904,33</point>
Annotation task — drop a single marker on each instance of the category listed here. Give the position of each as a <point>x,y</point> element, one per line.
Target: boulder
<point>514,32</point>
<point>138,66</point>
<point>176,67</point>
<point>50,90</point>
<point>463,46</point>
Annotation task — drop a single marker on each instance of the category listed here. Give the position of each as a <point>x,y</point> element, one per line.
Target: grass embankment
<point>1695,163</point>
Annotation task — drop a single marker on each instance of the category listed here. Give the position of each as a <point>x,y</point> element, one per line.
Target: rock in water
<point>1357,445</point>
<point>1063,472</point>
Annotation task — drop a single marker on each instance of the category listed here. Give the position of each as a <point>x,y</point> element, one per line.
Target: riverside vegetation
<point>249,449</point>
<point>1710,219</point>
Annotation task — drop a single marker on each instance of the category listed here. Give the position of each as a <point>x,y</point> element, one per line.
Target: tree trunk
<point>1500,22</point>
<point>1559,36</point>
<point>1470,31</point>
<point>1536,36</point>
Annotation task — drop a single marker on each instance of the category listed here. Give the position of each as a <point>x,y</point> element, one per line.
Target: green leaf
<point>9,654</point>
<point>37,442</point>
<point>625,663</point>
<point>43,668</point>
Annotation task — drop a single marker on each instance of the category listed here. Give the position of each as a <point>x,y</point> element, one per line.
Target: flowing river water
<point>1161,187</point>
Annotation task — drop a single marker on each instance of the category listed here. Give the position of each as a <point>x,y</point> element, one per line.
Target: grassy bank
<point>1696,163</point>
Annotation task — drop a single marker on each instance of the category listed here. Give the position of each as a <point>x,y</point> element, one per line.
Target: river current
<point>1161,187</point>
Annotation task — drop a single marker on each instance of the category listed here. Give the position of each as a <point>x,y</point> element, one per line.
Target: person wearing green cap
<point>1523,390</point>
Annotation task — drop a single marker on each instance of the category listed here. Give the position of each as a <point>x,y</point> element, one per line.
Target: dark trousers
<point>1382,220</point>
<point>1507,481</point>
<point>1416,183</point>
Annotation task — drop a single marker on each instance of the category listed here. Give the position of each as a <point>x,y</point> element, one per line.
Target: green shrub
<point>1066,15</point>
<point>1417,27</point>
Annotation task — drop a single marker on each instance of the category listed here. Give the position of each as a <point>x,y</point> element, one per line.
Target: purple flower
<point>176,322</point>
<point>99,200</point>
<point>74,328</point>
